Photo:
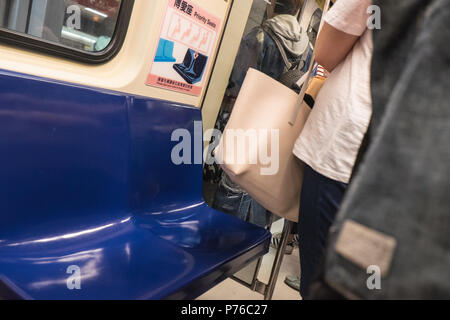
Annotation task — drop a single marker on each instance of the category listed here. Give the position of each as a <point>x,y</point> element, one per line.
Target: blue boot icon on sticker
<point>165,51</point>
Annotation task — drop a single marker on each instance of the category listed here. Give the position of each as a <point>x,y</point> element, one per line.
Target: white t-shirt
<point>330,141</point>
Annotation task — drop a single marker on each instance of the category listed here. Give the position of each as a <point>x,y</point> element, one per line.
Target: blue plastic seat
<point>88,181</point>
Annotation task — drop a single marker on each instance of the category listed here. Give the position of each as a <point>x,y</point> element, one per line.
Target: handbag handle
<point>302,93</point>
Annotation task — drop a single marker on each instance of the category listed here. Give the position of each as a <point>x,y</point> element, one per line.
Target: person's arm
<point>332,46</point>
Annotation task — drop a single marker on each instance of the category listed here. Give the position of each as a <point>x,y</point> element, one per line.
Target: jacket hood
<point>287,29</point>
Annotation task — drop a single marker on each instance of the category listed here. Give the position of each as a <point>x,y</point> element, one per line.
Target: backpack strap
<point>280,47</point>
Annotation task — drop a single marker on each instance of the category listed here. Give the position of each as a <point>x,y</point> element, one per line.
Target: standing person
<point>332,135</point>
<point>260,49</point>
<point>402,186</point>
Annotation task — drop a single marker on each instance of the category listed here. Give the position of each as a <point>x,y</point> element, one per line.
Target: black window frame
<point>36,44</point>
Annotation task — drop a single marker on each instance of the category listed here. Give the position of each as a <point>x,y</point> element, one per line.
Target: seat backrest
<point>74,156</point>
<point>161,47</point>
<point>168,48</point>
<point>188,58</point>
<point>200,64</point>
<point>64,153</point>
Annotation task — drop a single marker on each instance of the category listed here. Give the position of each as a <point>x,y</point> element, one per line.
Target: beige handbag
<point>264,106</point>
<point>255,149</point>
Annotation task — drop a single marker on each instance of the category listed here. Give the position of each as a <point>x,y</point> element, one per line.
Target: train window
<point>86,26</point>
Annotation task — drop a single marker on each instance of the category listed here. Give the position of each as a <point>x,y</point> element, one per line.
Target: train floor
<point>230,289</point>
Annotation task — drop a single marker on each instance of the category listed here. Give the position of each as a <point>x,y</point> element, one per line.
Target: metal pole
<point>278,260</point>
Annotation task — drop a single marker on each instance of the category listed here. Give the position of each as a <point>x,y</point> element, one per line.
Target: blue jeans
<point>240,205</point>
<point>319,202</point>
